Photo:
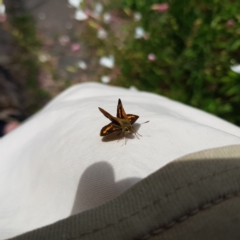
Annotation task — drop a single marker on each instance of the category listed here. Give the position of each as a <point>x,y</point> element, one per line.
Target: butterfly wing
<point>132,118</point>
<point>120,110</point>
<point>109,116</point>
<point>110,128</point>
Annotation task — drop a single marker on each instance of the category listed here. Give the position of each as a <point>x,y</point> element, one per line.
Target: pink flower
<point>11,126</point>
<point>161,7</point>
<point>75,47</point>
<point>230,23</point>
<point>151,57</point>
<point>3,17</point>
<point>91,14</point>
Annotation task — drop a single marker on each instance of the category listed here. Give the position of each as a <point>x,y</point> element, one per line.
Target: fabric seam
<point>183,218</point>
<point>154,202</point>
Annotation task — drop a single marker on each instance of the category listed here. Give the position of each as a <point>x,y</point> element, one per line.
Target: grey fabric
<point>194,197</point>
<point>217,221</point>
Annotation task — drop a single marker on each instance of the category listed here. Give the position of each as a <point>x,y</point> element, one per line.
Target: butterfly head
<point>129,130</point>
<point>127,127</point>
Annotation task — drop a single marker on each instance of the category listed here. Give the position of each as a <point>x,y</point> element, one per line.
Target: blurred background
<point>188,50</point>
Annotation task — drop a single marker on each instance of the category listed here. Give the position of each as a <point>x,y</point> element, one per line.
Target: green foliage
<point>194,42</point>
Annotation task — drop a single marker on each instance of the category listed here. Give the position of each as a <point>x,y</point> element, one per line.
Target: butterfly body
<point>122,123</point>
<point>126,126</point>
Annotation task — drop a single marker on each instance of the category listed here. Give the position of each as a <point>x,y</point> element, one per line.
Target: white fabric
<point>56,164</point>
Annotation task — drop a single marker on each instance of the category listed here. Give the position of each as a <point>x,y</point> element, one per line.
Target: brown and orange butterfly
<point>122,123</point>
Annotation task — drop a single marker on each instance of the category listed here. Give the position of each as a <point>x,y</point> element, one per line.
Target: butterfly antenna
<point>144,122</point>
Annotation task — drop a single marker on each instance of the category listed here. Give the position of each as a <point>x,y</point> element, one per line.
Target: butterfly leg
<point>139,134</point>
<point>125,139</point>
<point>119,135</point>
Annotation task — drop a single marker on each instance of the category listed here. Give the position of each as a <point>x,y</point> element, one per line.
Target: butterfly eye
<point>127,129</point>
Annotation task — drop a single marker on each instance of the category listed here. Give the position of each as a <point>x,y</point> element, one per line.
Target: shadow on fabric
<point>97,186</point>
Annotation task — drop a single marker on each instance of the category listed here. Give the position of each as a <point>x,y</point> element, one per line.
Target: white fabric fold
<point>56,164</point>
